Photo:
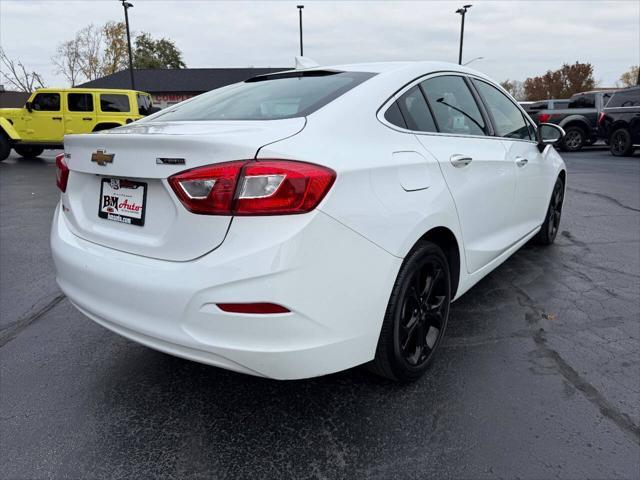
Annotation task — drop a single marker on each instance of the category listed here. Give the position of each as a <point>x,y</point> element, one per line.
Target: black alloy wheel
<point>28,151</point>
<point>551,225</point>
<point>416,316</point>
<point>574,139</point>
<point>620,143</point>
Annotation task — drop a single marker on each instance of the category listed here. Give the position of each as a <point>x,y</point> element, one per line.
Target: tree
<point>67,60</point>
<point>17,75</point>
<point>156,54</point>
<point>631,78</point>
<point>561,83</point>
<point>115,56</point>
<point>514,87</point>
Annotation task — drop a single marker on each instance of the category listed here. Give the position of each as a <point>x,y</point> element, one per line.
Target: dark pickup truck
<point>579,119</point>
<point>619,122</point>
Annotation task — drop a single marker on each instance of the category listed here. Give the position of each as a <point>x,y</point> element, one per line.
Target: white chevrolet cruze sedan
<point>304,222</point>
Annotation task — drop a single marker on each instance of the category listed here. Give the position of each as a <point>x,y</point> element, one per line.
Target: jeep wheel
<point>28,151</point>
<point>5,148</point>
<point>574,139</point>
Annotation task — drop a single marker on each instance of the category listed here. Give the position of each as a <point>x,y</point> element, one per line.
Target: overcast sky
<point>516,38</point>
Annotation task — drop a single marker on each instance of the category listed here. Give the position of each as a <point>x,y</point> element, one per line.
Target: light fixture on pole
<point>300,7</point>
<point>471,61</point>
<point>126,5</point>
<point>462,11</point>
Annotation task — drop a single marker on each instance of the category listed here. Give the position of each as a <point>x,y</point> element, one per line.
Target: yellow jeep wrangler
<point>51,113</point>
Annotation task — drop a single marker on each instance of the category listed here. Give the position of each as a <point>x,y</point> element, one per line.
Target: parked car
<point>304,222</point>
<point>579,119</point>
<point>619,122</point>
<point>533,108</point>
<point>49,114</point>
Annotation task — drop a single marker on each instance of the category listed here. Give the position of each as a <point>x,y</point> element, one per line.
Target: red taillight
<point>260,308</point>
<point>253,187</point>
<point>544,117</point>
<point>601,117</point>
<point>62,173</point>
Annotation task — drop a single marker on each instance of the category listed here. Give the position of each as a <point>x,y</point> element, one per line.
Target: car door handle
<point>521,161</point>
<point>87,119</point>
<point>56,118</point>
<point>460,161</point>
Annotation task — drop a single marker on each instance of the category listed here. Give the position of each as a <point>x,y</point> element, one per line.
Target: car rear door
<point>534,173</point>
<point>476,170</point>
<point>80,116</point>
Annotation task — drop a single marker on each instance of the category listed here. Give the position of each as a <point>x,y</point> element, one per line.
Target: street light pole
<point>471,61</point>
<point>126,5</point>
<point>462,11</point>
<point>300,7</point>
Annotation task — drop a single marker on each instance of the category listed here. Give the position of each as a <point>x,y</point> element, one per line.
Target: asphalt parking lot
<point>538,377</point>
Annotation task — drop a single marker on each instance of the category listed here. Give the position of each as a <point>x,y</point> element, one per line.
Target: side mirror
<point>29,107</point>
<point>548,134</point>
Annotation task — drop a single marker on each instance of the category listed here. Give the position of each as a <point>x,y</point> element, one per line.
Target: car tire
<point>416,316</point>
<point>551,224</point>
<point>620,143</point>
<point>574,139</point>
<point>5,147</point>
<point>28,151</point>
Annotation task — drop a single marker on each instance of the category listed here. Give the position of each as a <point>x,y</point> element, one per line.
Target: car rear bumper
<point>335,282</point>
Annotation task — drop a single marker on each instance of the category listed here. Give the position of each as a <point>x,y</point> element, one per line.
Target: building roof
<point>196,80</point>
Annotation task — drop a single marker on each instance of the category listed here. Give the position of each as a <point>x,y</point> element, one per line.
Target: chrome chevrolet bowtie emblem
<point>101,157</point>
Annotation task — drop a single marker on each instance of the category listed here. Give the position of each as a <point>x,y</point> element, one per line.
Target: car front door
<point>45,121</point>
<point>81,114</point>
<point>533,171</point>
<point>480,178</point>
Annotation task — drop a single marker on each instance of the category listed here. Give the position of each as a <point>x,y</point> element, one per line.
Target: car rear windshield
<point>269,97</point>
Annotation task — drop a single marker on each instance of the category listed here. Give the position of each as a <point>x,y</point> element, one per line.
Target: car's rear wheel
<point>620,143</point>
<point>549,229</point>
<point>28,151</point>
<point>5,147</point>
<point>574,139</point>
<point>416,315</point>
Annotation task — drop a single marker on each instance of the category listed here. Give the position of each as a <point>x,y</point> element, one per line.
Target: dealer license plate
<point>122,200</point>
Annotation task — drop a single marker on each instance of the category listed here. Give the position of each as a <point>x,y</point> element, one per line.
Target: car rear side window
<point>507,118</point>
<point>630,98</point>
<point>46,102</point>
<point>113,102</point>
<point>416,112</point>
<point>586,100</point>
<point>394,116</point>
<point>80,102</point>
<point>269,97</point>
<point>453,105</point>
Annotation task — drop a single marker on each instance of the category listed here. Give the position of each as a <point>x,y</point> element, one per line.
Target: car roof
<point>88,90</point>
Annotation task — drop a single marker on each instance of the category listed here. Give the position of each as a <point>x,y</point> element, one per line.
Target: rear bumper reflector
<point>259,308</point>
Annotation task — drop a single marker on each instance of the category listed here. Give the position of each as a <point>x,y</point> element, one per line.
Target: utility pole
<point>126,5</point>
<point>462,11</point>
<point>300,7</point>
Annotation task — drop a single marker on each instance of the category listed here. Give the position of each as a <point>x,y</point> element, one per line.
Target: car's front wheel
<point>549,229</point>
<point>5,147</point>
<point>416,315</point>
<point>620,143</point>
<point>28,151</point>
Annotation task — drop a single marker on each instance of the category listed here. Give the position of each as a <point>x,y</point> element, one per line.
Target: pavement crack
<point>606,197</point>
<point>571,375</point>
<point>10,332</point>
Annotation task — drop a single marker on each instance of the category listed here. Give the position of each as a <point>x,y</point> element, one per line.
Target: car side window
<point>46,102</point>
<point>416,112</point>
<point>630,98</point>
<point>453,105</point>
<point>508,120</point>
<point>80,102</point>
<point>394,117</point>
<point>113,102</point>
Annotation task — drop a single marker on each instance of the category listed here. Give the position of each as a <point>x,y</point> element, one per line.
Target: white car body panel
<point>334,267</point>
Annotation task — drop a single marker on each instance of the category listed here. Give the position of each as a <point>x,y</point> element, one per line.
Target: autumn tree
<point>115,56</point>
<point>67,61</point>
<point>514,87</point>
<point>631,78</point>
<point>16,74</point>
<point>156,54</point>
<point>561,83</point>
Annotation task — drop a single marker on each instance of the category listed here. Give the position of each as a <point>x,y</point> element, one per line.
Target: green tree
<point>561,83</point>
<point>631,78</point>
<point>156,54</point>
